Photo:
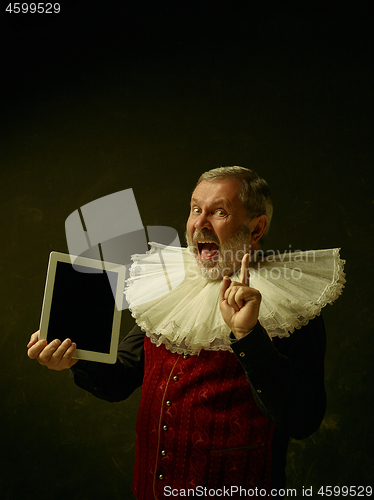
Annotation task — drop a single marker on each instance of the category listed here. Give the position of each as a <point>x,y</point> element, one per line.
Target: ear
<point>257,228</point>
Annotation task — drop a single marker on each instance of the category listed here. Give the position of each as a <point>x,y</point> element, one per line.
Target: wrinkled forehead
<point>225,190</point>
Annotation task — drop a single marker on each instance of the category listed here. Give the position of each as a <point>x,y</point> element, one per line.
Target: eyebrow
<point>221,202</point>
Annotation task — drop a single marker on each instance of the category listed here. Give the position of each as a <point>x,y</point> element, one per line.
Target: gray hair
<point>254,192</point>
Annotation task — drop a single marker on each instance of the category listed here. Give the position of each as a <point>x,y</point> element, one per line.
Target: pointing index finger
<point>244,274</point>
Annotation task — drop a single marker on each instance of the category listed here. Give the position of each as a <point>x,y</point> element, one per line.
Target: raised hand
<point>239,303</point>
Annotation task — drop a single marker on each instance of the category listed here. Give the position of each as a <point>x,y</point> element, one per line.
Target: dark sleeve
<point>114,382</point>
<point>287,376</point>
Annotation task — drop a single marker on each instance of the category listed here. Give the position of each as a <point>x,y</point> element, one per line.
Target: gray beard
<point>229,256</point>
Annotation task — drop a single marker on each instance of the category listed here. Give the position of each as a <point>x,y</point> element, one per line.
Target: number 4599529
<point>344,491</point>
<point>33,8</point>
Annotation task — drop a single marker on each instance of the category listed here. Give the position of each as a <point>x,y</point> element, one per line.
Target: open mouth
<point>207,250</point>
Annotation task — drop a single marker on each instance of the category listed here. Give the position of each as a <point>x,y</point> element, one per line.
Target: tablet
<point>83,301</point>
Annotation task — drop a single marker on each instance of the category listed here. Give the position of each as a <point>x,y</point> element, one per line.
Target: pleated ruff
<point>179,308</point>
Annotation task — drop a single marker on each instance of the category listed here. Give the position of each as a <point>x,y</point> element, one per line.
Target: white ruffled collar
<point>177,307</point>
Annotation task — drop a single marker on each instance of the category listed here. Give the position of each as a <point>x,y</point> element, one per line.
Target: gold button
<point>242,354</point>
<point>185,356</point>
<point>175,378</point>
<point>163,453</point>
<point>161,477</point>
<point>165,427</point>
<point>168,403</point>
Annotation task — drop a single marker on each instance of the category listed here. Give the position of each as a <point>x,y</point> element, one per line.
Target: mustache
<point>205,235</point>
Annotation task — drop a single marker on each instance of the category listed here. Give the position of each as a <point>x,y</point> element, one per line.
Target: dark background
<point>103,97</point>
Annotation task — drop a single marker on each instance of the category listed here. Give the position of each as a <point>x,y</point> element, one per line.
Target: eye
<point>195,210</point>
<point>220,213</point>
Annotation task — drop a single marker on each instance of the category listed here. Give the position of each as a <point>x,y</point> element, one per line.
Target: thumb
<point>226,282</point>
<point>73,361</point>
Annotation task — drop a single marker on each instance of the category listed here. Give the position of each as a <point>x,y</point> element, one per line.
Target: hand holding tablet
<point>56,355</point>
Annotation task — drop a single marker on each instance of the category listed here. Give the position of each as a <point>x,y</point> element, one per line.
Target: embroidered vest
<point>198,426</point>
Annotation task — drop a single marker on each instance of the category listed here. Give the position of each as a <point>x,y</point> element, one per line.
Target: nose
<point>202,222</point>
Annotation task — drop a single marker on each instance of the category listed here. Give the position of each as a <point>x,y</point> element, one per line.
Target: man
<point>215,417</point>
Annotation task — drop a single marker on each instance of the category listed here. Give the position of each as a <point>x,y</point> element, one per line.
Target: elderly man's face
<point>218,230</point>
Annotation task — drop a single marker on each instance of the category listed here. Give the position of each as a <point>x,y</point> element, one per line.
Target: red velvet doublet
<point>198,425</point>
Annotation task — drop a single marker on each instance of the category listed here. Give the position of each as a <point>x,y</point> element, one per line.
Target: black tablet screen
<point>82,307</point>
